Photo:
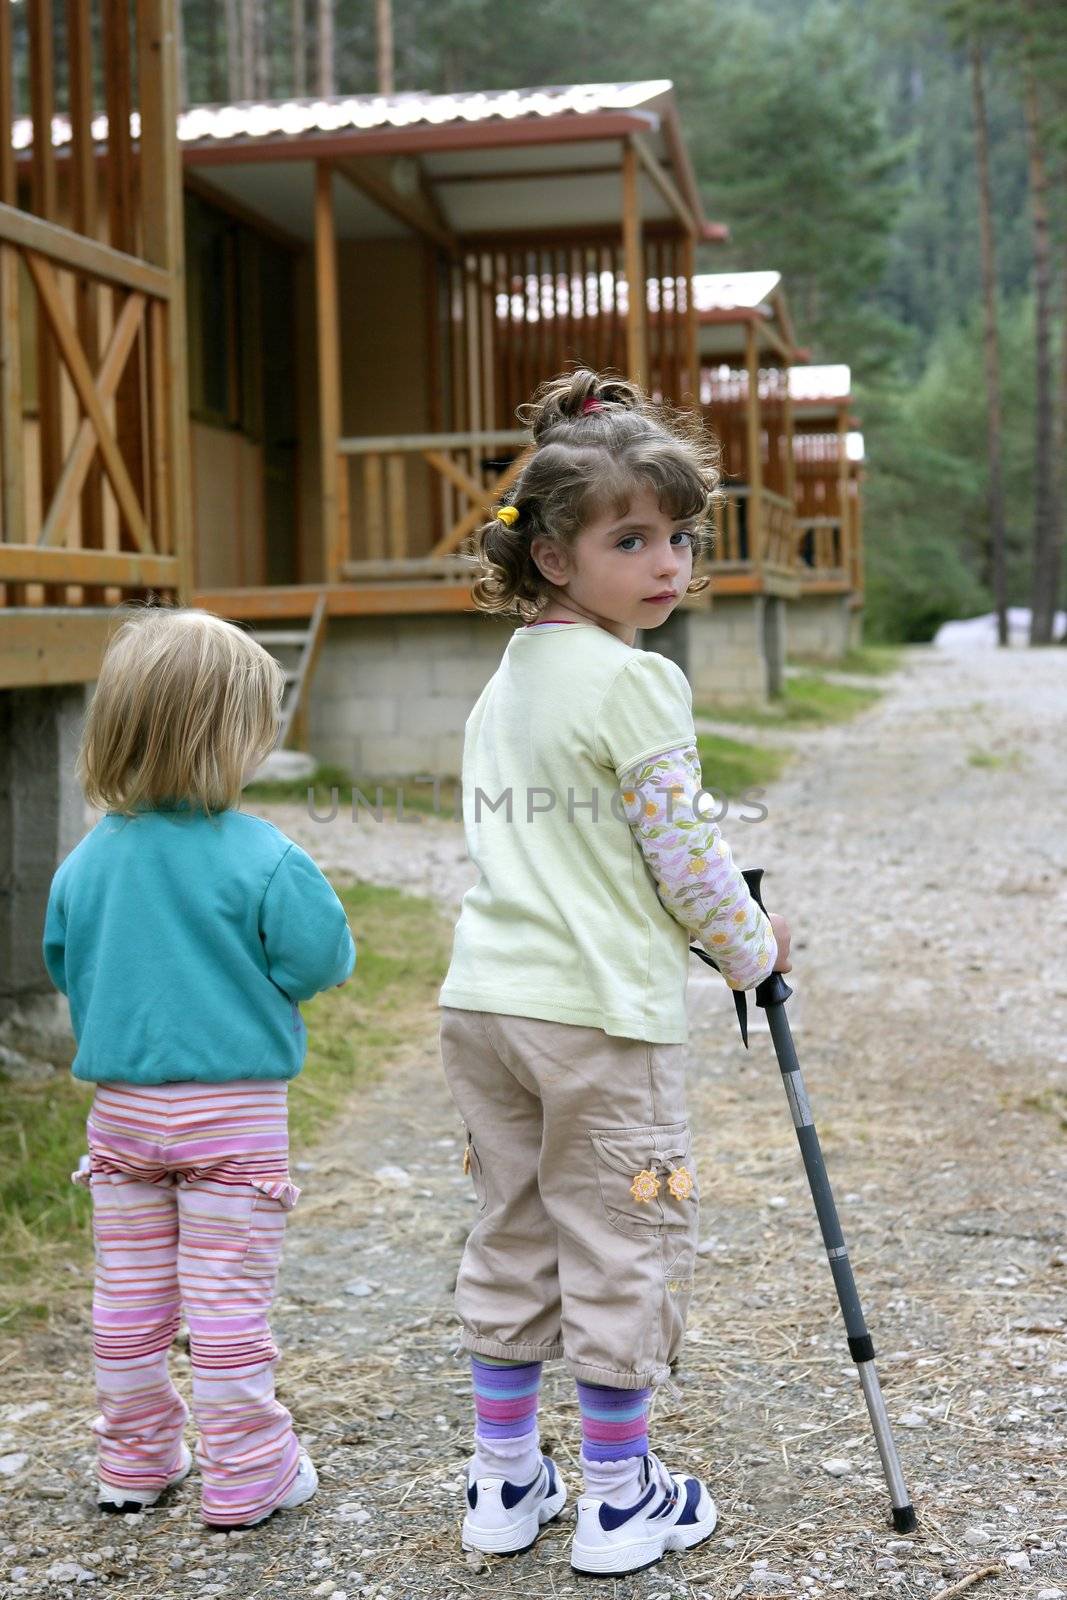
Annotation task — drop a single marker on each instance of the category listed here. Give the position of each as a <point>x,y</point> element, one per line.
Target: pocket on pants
<point>646,1179</point>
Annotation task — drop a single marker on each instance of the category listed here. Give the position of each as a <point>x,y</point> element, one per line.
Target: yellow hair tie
<point>508,515</point>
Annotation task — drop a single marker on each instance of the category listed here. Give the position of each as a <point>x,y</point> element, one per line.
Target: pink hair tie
<point>592,404</point>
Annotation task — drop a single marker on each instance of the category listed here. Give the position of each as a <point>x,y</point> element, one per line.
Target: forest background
<point>841,141</point>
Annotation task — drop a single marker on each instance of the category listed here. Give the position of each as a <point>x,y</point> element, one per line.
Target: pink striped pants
<point>190,1186</point>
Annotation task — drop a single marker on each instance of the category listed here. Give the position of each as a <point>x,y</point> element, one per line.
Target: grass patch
<point>868,660</point>
<point>808,700</point>
<point>1050,1103</point>
<point>729,767</point>
<point>403,945</point>
<point>415,797</point>
<point>353,1033</point>
<point>988,758</point>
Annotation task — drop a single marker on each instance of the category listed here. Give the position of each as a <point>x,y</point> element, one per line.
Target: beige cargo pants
<point>579,1150</point>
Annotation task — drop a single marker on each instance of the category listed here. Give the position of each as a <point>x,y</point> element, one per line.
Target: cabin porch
<point>829,457</point>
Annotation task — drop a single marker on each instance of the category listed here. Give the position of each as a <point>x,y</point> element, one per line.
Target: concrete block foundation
<point>733,654</point>
<point>821,627</point>
<point>391,695</point>
<point>42,818</point>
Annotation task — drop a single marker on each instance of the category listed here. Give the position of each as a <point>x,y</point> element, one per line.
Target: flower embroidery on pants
<point>645,1186</point>
<point>680,1183</point>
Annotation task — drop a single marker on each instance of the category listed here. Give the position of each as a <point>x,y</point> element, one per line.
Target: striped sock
<point>614,1440</point>
<point>506,1439</point>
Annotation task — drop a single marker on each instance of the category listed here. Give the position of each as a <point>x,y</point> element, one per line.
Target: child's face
<point>623,573</point>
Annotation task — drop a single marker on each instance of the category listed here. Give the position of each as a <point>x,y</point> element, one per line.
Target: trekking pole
<point>771,996</point>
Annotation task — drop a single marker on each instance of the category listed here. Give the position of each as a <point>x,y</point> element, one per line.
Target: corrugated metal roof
<point>274,118</point>
<point>733,291</point>
<point>251,121</point>
<point>820,383</point>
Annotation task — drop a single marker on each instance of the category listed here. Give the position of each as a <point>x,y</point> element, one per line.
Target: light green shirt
<point>565,922</point>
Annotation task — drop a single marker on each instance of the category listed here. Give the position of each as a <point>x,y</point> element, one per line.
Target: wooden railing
<point>749,542</point>
<point>821,550</point>
<point>94,469</point>
<point>42,555</point>
<point>413,501</point>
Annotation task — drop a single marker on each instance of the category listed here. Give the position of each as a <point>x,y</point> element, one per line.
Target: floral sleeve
<point>696,879</point>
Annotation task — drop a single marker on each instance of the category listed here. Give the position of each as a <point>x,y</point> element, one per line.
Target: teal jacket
<point>185,943</point>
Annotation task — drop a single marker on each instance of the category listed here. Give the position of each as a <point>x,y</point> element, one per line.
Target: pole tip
<point>904,1519</point>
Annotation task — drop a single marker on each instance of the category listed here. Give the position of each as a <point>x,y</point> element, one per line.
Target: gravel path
<point>920,855</point>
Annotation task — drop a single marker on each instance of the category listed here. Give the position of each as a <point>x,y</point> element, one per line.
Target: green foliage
<point>927,552</point>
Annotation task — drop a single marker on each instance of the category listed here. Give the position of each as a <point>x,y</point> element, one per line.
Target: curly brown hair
<point>596,440</point>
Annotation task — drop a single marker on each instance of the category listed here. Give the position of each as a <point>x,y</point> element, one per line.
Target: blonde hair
<point>184,704</point>
<point>597,440</point>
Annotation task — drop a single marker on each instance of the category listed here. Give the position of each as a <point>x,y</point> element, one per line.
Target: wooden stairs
<point>297,652</point>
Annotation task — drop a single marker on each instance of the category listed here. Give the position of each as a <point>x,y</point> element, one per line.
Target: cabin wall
<point>385,381</point>
<point>227,508</point>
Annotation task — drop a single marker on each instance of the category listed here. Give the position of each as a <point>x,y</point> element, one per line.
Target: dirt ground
<point>920,855</point>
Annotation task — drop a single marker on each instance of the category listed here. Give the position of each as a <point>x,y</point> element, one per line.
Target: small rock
<point>977,1536</point>
<point>69,1572</point>
<point>1018,1559</point>
<point>912,1419</point>
<point>325,1587</point>
<point>777,1202</point>
<point>1050,1594</point>
<point>397,1176</point>
<point>836,1466</point>
<point>13,1463</point>
<point>360,1288</point>
<point>35,1408</point>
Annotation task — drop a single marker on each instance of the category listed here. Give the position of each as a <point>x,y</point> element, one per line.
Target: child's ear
<point>551,559</point>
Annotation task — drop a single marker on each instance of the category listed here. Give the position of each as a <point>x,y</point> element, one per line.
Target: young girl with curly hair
<point>563,1025</point>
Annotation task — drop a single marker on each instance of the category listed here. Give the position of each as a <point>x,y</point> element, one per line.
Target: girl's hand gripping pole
<point>771,995</point>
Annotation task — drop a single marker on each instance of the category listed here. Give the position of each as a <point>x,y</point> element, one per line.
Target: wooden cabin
<point>374,286</point>
<point>93,410</point>
<point>829,463</point>
<point>736,654</point>
<point>371,286</point>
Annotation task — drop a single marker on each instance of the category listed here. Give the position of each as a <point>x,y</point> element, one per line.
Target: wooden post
<point>43,202</point>
<point>164,246</point>
<point>334,471</point>
<point>12,489</point>
<point>633,259</point>
<point>842,487</point>
<point>122,194</point>
<point>83,220</point>
<point>752,450</point>
<point>788,428</point>
<point>692,322</point>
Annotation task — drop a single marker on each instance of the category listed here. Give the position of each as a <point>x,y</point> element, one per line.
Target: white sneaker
<point>671,1513</point>
<point>504,1518</point>
<point>111,1498</point>
<point>303,1487</point>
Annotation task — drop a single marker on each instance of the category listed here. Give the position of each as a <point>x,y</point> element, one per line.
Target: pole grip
<point>773,991</point>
